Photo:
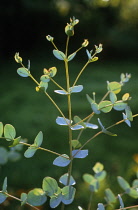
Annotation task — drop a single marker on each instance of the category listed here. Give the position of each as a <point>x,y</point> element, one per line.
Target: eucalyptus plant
<point>62,192</point>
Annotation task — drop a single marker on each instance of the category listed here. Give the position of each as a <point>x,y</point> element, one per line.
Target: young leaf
<point>100,176</point>
<point>61,92</point>
<point>64,179</point>
<point>114,87</point>
<point>77,120</point>
<point>88,178</point>
<point>9,132</point>
<point>110,197</point>
<point>119,106</point>
<point>3,156</point>
<point>2,197</point>
<point>30,152</point>
<point>76,89</point>
<point>125,97</point>
<point>90,100</point>
<point>126,120</point>
<point>98,167</point>
<point>4,187</point>
<point>50,186</point>
<point>63,121</point>
<point>68,194</point>
<point>79,153</point>
<point>23,198</point>
<point>113,97</point>
<point>39,139</point>
<point>95,108</point>
<point>15,141</point>
<point>70,57</point>
<point>75,144</point>
<point>43,86</point>
<point>105,106</point>
<point>23,72</point>
<point>59,55</point>
<point>45,78</point>
<point>100,206</point>
<point>123,183</point>
<point>1,129</point>
<point>62,161</point>
<point>129,113</point>
<point>36,197</point>
<point>52,71</point>
<point>135,183</point>
<point>55,200</point>
<point>121,201</point>
<point>104,130</point>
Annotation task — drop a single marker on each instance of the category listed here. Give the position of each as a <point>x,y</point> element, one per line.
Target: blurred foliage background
<point>24,25</point>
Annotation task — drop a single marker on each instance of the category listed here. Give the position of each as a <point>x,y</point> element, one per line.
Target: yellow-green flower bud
<point>17,58</point>
<point>49,38</point>
<point>69,30</point>
<point>94,59</point>
<point>85,43</point>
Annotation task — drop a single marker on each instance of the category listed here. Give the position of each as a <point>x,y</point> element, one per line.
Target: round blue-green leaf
<point>110,197</point>
<point>59,55</point>
<point>120,201</point>
<point>113,97</point>
<point>105,106</point>
<point>23,72</point>
<point>70,57</point>
<point>61,92</point>
<point>100,206</point>
<point>75,144</point>
<point>94,185</point>
<point>30,152</point>
<point>39,139</point>
<point>4,187</point>
<point>56,200</point>
<point>119,106</point>
<point>132,192</point>
<point>3,156</point>
<point>90,125</point>
<point>95,108</point>
<point>68,194</point>
<point>123,183</point>
<point>50,186</point>
<point>63,121</point>
<point>101,175</point>
<point>114,87</point>
<point>36,197</point>
<point>135,183</point>
<point>9,132</point>
<point>88,178</point>
<point>64,179</point>
<point>1,129</point>
<point>62,161</point>
<point>77,127</point>
<point>23,198</point>
<point>76,89</point>
<point>79,153</point>
<point>2,197</point>
<point>45,78</point>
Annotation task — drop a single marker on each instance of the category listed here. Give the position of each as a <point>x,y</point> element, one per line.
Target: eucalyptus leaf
<point>64,180</point>
<point>30,152</point>
<point>133,193</point>
<point>90,125</point>
<point>114,87</point>
<point>59,55</point>
<point>23,198</point>
<point>113,97</point>
<point>55,200</point>
<point>39,139</point>
<point>36,197</point>
<point>45,78</point>
<point>62,161</point>
<point>9,132</point>
<point>88,178</point>
<point>2,197</point>
<point>50,186</point>
<point>63,121</point>
<point>98,167</point>
<point>43,85</point>
<point>110,197</point>
<point>1,129</point>
<point>75,144</point>
<point>77,127</point>
<point>79,153</point>
<point>101,175</point>
<point>100,206</point>
<point>121,201</point>
<point>105,106</point>
<point>129,113</point>
<point>61,92</point>
<point>76,89</point>
<point>123,183</point>
<point>4,187</point>
<point>90,100</point>
<point>95,108</point>
<point>14,155</point>
<point>78,119</point>
<point>68,194</point>
<point>15,141</point>
<point>120,106</point>
<point>23,72</point>
<point>126,120</point>
<point>94,185</point>
<point>70,57</point>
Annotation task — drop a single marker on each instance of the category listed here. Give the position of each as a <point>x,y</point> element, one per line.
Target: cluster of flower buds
<point>69,29</point>
<point>17,58</point>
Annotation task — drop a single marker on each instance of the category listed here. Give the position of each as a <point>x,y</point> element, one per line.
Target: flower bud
<point>99,49</point>
<point>69,30</point>
<point>85,43</point>
<point>49,38</point>
<point>17,58</point>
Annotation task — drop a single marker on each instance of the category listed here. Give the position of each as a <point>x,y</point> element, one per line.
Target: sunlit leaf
<point>123,183</point>
<point>119,105</point>
<point>77,127</point>
<point>39,139</point>
<point>68,194</point>
<point>79,153</point>
<point>23,198</point>
<point>50,186</point>
<point>114,87</point>
<point>98,167</point>
<point>113,97</point>
<point>105,106</point>
<point>63,121</point>
<point>76,89</point>
<point>62,161</point>
<point>70,57</point>
<point>125,97</point>
<point>88,178</point>
<point>61,92</point>
<point>1,129</point>
<point>36,197</point>
<point>23,72</point>
<point>64,180</point>
<point>110,197</point>
<point>3,156</point>
<point>30,152</point>
<point>59,55</point>
<point>75,144</point>
<point>4,187</point>
<point>90,125</point>
<point>52,71</point>
<point>9,132</point>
